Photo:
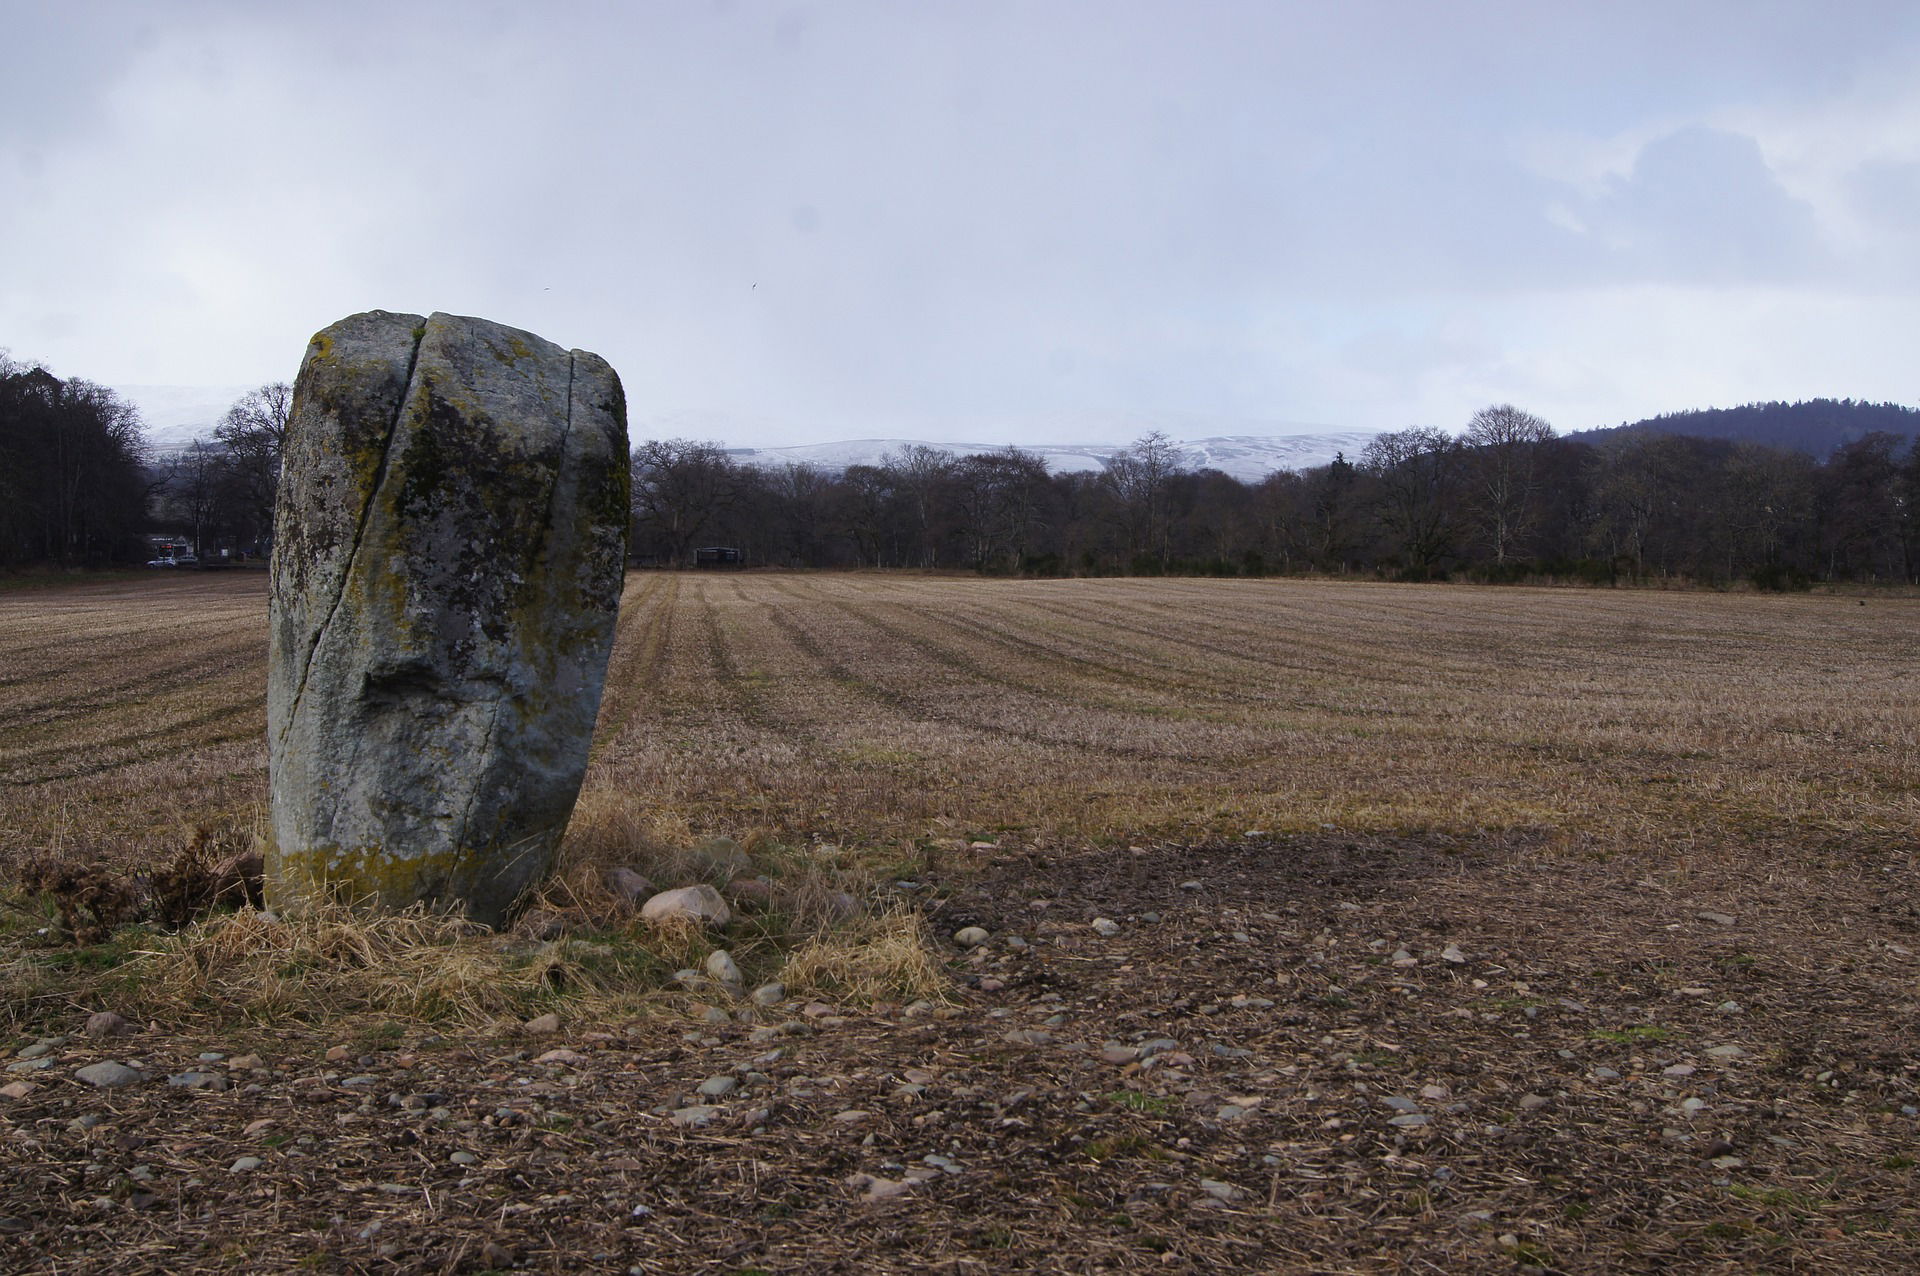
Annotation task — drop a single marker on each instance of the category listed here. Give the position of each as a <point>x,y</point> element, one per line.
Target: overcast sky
<point>1037,221</point>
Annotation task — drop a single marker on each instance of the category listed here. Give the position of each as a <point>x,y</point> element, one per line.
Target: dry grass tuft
<point>881,958</point>
<point>336,961</point>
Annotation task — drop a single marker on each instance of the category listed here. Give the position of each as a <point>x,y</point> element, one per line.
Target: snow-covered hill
<point>1244,456</point>
<point>176,415</point>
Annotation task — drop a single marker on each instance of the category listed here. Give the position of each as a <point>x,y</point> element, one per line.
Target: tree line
<point>73,481</point>
<point>80,485</point>
<point>1508,499</point>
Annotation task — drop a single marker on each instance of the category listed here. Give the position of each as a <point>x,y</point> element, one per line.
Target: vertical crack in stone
<point>359,530</point>
<point>463,846</point>
<point>559,464</point>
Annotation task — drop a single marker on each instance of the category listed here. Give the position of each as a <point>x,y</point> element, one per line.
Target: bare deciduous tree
<point>254,432</point>
<point>681,487</point>
<point>1505,445</point>
<point>1415,473</point>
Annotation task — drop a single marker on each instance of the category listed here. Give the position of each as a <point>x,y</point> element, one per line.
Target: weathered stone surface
<point>449,549</point>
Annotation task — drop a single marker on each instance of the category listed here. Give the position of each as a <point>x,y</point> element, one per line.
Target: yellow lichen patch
<point>369,877</point>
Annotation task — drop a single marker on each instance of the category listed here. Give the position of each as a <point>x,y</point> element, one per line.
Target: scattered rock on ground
<point>198,1081</point>
<point>108,1075</point>
<point>700,904</point>
<point>724,970</point>
<point>695,1115</point>
<point>750,892</point>
<point>105,1023</point>
<point>628,884</point>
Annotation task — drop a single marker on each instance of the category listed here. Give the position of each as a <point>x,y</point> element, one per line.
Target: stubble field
<point>1452,929</point>
<point>869,708</point>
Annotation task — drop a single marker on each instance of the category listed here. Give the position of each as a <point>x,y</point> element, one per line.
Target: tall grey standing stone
<point>448,555</point>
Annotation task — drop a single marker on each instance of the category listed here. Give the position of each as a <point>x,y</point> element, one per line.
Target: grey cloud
<point>1701,205</point>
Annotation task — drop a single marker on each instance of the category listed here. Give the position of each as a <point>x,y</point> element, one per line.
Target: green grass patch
<point>1125,1145</point>
<point>1134,1101</point>
<point>1633,1035</point>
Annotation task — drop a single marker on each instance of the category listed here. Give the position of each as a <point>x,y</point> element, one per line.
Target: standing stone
<point>448,555</point>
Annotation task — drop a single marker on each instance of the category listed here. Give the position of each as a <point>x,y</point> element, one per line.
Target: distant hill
<point>1248,458</point>
<point>176,415</point>
<point>1815,427</point>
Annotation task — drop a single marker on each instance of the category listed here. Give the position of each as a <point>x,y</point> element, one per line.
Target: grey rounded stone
<point>723,969</point>
<point>199,1081</point>
<point>108,1075</point>
<point>971,936</point>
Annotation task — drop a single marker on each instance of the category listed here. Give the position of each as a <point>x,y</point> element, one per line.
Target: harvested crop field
<point>863,708</point>
<point>1440,928</point>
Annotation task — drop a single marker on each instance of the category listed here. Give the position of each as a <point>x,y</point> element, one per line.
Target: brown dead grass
<point>878,959</point>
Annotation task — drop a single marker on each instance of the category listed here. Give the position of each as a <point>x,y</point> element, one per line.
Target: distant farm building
<point>719,556</point>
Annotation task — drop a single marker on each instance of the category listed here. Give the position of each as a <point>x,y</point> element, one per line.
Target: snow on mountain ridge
<point>176,415</point>
<point>1248,458</point>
